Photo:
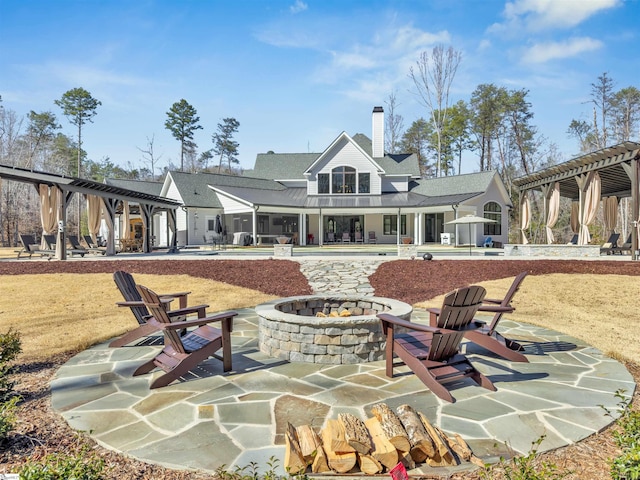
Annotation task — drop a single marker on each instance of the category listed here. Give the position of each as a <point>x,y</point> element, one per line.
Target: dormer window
<point>344,180</point>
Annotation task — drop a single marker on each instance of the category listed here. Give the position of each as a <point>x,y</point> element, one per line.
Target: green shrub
<point>10,348</point>
<point>627,437</point>
<point>7,417</point>
<point>83,466</point>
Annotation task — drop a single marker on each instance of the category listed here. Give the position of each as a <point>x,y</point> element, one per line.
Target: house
<point>341,194</point>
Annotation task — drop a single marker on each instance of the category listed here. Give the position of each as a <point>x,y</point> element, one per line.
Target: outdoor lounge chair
<point>610,244</point>
<point>432,353</point>
<point>127,286</point>
<point>91,247</point>
<point>31,247</point>
<point>51,240</point>
<point>182,353</point>
<point>574,240</point>
<point>625,247</point>
<point>372,237</point>
<point>486,336</point>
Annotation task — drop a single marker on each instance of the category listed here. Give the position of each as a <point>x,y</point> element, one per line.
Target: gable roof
<point>195,192</point>
<point>291,166</point>
<point>476,183</point>
<point>151,188</point>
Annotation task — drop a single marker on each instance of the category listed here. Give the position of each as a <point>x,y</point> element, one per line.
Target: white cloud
<point>543,52</point>
<point>298,6</point>
<point>537,15</point>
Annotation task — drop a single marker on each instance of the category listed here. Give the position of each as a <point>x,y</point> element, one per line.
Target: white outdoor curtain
<point>125,234</point>
<point>107,219</point>
<point>94,215</point>
<point>525,216</point>
<point>591,203</point>
<point>553,210</point>
<point>610,213</point>
<point>575,213</point>
<point>49,198</point>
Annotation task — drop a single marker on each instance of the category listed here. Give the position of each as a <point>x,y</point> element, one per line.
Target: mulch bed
<point>40,431</point>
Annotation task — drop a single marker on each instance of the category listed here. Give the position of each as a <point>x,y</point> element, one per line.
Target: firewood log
<point>368,464</point>
<point>356,433</point>
<point>383,450</point>
<point>294,461</point>
<point>308,441</point>
<point>407,460</point>
<point>467,452</point>
<point>392,427</point>
<point>421,443</point>
<point>320,462</point>
<point>341,456</point>
<point>442,456</point>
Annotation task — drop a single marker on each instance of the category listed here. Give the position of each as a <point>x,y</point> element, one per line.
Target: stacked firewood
<point>375,445</point>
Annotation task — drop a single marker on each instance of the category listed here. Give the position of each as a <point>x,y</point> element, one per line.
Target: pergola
<point>50,184</point>
<point>602,175</point>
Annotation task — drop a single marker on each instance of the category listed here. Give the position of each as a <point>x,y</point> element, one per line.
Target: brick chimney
<point>377,132</point>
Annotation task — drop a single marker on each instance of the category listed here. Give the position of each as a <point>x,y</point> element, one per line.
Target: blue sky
<point>297,73</point>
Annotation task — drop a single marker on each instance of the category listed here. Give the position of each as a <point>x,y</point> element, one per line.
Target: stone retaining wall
<point>289,329</point>
<point>553,250</point>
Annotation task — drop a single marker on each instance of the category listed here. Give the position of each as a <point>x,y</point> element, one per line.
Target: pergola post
<point>635,210</point>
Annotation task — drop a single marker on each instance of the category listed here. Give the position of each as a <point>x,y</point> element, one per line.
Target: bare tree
<point>393,126</point>
<point>149,157</point>
<point>601,97</point>
<point>433,77</point>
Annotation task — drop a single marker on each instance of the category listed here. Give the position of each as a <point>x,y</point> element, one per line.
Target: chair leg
<point>145,368</point>
<point>496,343</point>
<point>483,381</point>
<point>423,373</point>
<point>192,360</point>
<point>142,331</point>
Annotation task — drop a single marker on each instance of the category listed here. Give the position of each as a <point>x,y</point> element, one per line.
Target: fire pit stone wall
<point>289,328</point>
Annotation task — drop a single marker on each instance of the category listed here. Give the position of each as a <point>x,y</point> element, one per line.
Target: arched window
<point>493,211</point>
<point>343,180</point>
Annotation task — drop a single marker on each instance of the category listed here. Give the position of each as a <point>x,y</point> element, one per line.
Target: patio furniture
<point>574,240</point>
<point>331,237</point>
<point>93,246</point>
<point>182,353</point>
<point>346,237</point>
<point>76,248</point>
<point>488,242</point>
<point>127,286</point>
<point>625,247</point>
<point>31,247</point>
<point>610,244</point>
<point>359,238</point>
<point>486,336</point>
<point>432,353</point>
<point>372,237</point>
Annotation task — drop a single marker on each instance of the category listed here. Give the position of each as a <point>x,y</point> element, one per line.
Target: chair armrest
<point>201,310</point>
<point>140,303</point>
<point>198,321</point>
<point>496,309</point>
<point>407,324</point>
<point>182,296</point>
<point>492,300</point>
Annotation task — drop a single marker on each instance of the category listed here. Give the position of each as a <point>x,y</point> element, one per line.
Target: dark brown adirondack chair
<point>182,353</point>
<point>432,353</point>
<point>127,286</point>
<point>486,335</point>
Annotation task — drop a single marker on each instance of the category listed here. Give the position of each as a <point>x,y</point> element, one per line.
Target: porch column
<point>254,222</point>
<point>320,232</point>
<point>302,229</point>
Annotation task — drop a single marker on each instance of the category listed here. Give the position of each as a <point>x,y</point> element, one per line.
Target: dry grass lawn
<point>599,309</point>
<point>57,313</point>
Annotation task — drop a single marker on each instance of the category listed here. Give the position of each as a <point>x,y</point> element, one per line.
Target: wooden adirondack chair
<point>432,353</point>
<point>127,286</point>
<point>486,335</point>
<point>182,353</point>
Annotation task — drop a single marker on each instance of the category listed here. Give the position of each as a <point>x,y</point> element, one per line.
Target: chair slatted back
<point>50,240</point>
<point>89,241</point>
<point>506,301</point>
<point>445,345</point>
<point>75,243</point>
<point>613,239</point>
<point>127,286</point>
<point>159,313</point>
<point>28,241</point>
<point>460,306</point>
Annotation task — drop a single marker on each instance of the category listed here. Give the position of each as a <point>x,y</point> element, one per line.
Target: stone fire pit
<point>289,328</point>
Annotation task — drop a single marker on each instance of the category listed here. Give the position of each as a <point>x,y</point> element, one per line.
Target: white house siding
<point>346,153</point>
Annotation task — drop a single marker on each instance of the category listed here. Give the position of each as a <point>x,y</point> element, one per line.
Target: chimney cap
<point>378,109</point>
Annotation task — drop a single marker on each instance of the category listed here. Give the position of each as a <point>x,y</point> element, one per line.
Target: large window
<point>364,183</point>
<point>343,180</point>
<point>390,224</point>
<point>323,183</point>
<point>493,211</point>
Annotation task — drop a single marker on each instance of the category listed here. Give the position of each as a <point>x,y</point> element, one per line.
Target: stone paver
<point>212,419</point>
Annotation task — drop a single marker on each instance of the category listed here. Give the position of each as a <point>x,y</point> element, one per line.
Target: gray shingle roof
<point>291,166</point>
<point>151,188</point>
<point>477,183</point>
<point>195,191</point>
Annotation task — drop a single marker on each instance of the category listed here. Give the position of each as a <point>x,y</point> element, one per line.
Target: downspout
<point>454,207</point>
